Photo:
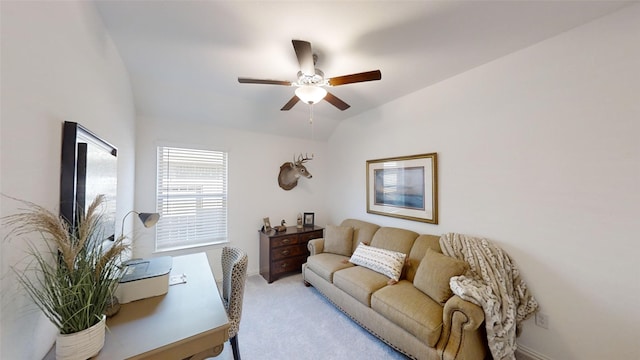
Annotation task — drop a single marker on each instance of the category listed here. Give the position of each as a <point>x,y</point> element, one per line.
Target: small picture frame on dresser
<point>308,219</point>
<point>267,224</point>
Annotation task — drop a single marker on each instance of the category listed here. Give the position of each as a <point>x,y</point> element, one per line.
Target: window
<point>191,198</point>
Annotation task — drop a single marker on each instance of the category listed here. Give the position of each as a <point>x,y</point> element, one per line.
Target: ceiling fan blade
<point>264,82</point>
<point>335,101</point>
<point>305,56</point>
<point>294,100</point>
<point>355,78</point>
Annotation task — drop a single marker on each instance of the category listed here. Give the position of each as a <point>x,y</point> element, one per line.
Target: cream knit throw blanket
<point>494,283</point>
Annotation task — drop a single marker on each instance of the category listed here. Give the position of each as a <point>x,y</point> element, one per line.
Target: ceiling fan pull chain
<point>311,120</point>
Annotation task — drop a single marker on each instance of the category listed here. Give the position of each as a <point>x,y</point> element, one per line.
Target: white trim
<point>525,353</point>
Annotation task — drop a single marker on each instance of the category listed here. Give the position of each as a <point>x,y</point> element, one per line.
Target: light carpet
<point>287,320</point>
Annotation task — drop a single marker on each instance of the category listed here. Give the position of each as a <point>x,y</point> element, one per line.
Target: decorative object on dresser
<point>299,222</point>
<point>267,224</point>
<point>282,227</point>
<point>405,187</point>
<point>283,253</point>
<point>309,219</point>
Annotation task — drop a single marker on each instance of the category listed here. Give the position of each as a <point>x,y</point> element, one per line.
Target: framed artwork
<point>405,187</point>
<point>309,219</point>
<point>267,224</point>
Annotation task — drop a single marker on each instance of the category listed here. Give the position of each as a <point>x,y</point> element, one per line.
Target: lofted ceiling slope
<point>184,57</point>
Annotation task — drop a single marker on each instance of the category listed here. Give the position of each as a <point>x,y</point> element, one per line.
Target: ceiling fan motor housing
<point>316,79</point>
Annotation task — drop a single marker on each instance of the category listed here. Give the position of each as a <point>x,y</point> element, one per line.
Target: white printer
<point>144,278</point>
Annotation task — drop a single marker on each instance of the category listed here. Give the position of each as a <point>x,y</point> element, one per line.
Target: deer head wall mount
<point>290,172</point>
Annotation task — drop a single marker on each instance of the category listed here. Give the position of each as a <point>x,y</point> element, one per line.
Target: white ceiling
<point>184,57</point>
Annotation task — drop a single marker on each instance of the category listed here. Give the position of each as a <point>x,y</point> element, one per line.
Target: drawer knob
<point>286,241</point>
<point>284,265</point>
<point>285,252</point>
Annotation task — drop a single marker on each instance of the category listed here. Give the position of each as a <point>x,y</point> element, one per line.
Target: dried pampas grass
<point>74,276</point>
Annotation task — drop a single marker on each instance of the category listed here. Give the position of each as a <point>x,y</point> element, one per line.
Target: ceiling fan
<point>311,81</point>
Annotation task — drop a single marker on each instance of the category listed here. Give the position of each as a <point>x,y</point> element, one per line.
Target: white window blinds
<point>192,198</point>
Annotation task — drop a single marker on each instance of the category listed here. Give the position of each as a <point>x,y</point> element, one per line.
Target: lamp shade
<point>149,219</point>
<point>311,94</point>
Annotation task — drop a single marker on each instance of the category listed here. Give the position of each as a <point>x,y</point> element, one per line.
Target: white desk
<point>190,320</point>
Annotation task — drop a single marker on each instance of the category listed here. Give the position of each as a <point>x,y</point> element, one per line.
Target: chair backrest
<point>234,274</point>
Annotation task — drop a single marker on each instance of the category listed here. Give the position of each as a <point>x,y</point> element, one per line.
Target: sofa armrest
<point>463,334</point>
<point>315,246</point>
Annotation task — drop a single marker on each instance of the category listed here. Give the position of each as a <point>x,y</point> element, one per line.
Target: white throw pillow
<point>384,261</point>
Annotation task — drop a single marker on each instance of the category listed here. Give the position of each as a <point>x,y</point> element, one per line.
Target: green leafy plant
<point>72,276</point>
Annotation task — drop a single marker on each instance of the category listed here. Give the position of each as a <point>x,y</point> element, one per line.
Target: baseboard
<point>525,353</point>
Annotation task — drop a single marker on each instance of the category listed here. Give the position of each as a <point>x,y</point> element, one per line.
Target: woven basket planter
<point>81,345</point>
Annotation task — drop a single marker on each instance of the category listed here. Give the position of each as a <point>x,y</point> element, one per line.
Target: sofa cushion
<point>359,282</point>
<point>338,240</point>
<point>395,239</point>
<point>434,272</point>
<point>411,309</point>
<point>384,261</point>
<point>418,250</point>
<point>362,231</point>
<point>326,264</point>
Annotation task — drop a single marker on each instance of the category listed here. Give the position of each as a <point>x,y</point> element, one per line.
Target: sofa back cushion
<point>434,272</point>
<point>394,239</point>
<point>338,240</point>
<point>362,231</point>
<point>419,249</point>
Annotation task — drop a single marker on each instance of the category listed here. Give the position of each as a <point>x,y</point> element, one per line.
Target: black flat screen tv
<point>89,167</point>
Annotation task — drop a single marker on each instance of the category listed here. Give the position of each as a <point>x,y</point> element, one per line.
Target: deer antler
<point>305,159</point>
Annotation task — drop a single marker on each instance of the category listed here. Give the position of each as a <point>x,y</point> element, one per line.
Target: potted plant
<point>71,276</point>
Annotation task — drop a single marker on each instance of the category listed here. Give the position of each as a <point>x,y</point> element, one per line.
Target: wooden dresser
<point>283,253</point>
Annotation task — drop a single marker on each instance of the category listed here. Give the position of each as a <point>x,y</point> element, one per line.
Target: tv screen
<point>89,167</point>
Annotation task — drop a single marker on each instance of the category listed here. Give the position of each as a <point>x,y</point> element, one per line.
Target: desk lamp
<point>147,219</point>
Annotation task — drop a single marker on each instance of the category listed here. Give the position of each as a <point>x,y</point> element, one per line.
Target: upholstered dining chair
<point>234,274</point>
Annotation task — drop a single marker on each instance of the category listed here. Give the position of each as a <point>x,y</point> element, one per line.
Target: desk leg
<point>212,352</point>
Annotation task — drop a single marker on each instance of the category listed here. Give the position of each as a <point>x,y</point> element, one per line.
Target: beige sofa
<point>400,314</point>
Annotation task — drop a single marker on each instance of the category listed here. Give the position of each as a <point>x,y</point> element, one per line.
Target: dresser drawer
<point>287,265</point>
<point>288,251</point>
<point>311,235</point>
<point>284,240</point>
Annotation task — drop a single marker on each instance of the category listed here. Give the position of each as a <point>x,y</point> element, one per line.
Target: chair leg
<point>234,347</point>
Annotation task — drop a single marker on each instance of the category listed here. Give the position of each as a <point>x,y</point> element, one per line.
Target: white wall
<point>254,163</point>
<point>58,64</point>
<point>538,151</point>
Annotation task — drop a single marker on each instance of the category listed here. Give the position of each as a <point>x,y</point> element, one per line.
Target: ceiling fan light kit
<point>310,94</point>
<point>311,81</point>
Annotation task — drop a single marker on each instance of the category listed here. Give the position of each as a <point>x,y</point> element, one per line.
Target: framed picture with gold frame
<point>405,187</point>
